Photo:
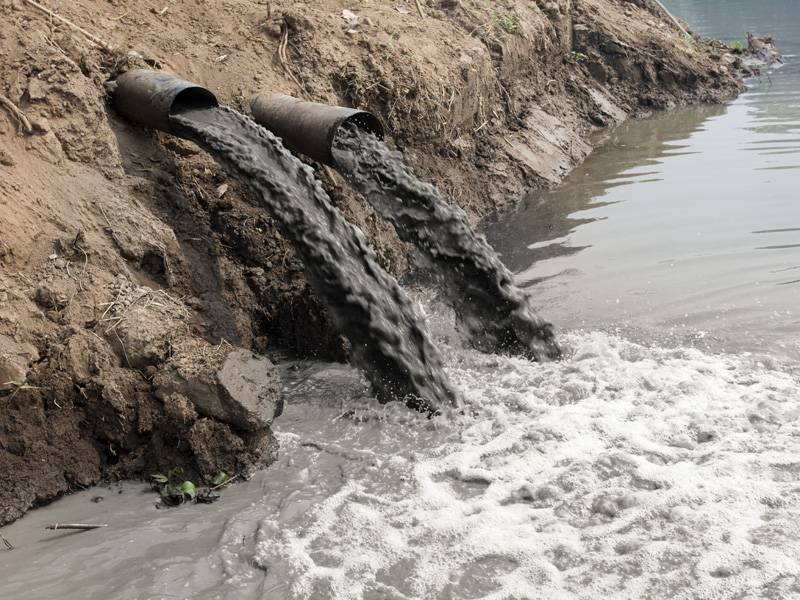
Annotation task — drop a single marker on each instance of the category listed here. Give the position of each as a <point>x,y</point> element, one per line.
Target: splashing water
<point>389,342</point>
<point>631,471</point>
<point>624,471</point>
<point>497,315</point>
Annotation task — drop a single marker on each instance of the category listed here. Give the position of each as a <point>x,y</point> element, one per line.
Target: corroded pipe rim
<point>309,128</point>
<point>150,98</point>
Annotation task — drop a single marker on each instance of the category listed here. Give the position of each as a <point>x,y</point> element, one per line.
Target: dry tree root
<point>20,116</point>
<point>92,38</point>
<point>285,61</point>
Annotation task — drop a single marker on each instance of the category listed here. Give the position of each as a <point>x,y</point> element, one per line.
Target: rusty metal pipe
<point>150,98</point>
<point>309,128</point>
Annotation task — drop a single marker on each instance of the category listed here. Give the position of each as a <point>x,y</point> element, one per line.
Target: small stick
<point>75,526</point>
<point>229,480</point>
<point>26,125</point>
<point>92,38</point>
<point>6,542</point>
<point>673,19</point>
<point>285,61</point>
<point>419,8</point>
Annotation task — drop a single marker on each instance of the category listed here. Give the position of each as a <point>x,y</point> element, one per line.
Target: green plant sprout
<point>735,45</point>
<point>174,490</point>
<point>506,22</point>
<point>21,385</point>
<point>390,49</point>
<point>688,41</point>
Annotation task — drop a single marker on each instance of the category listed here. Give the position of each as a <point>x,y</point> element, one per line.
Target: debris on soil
<point>137,281</point>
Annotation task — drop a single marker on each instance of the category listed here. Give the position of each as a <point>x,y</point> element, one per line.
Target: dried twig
<point>92,38</point>
<point>285,61</point>
<point>673,19</point>
<point>12,108</point>
<point>55,526</point>
<point>226,482</point>
<point>6,542</point>
<point>419,8</point>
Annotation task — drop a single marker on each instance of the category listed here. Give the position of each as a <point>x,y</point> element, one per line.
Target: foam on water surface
<point>625,470</point>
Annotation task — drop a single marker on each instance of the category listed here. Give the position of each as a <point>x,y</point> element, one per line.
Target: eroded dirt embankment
<point>137,279</point>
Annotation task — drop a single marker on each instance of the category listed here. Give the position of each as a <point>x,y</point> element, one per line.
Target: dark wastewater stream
<point>388,339</point>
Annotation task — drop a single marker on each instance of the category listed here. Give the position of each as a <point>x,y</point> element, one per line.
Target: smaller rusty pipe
<point>150,98</point>
<point>309,128</point>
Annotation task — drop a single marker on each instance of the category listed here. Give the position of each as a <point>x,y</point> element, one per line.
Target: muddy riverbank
<point>135,274</point>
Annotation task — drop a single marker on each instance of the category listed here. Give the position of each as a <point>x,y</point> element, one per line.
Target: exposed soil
<point>136,277</point>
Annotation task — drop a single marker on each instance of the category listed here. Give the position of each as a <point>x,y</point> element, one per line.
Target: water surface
<point>686,224</point>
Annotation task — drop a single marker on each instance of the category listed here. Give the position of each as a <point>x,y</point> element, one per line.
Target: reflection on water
<point>683,224</point>
<point>631,154</point>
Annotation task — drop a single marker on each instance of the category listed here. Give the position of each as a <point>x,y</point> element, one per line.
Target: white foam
<point>624,470</point>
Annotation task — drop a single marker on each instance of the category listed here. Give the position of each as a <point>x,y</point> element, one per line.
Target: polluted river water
<point>685,224</point>
<point>658,459</point>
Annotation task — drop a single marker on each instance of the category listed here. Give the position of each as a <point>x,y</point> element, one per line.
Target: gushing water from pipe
<point>496,314</point>
<point>389,341</point>
<point>388,338</point>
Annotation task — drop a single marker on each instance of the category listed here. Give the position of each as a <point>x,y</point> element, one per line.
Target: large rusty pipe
<point>150,98</point>
<point>309,128</point>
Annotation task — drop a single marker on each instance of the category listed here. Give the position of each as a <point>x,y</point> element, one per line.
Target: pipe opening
<point>309,128</point>
<point>150,98</point>
<point>192,98</point>
<point>366,121</point>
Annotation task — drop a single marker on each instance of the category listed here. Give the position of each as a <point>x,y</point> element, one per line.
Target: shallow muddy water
<point>659,459</point>
<point>625,470</point>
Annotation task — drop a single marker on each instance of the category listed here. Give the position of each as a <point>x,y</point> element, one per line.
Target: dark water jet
<point>496,314</point>
<point>389,341</point>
